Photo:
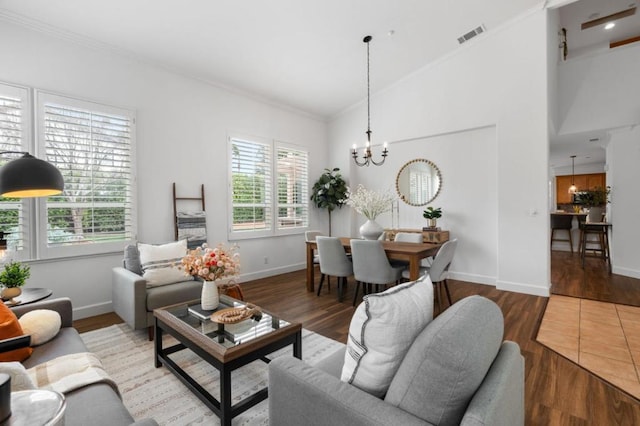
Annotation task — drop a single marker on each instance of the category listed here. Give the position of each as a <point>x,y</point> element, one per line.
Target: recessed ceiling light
<point>609,25</point>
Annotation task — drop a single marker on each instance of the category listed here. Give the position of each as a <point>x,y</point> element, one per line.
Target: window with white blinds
<point>251,187</point>
<point>92,146</point>
<point>293,199</point>
<point>15,125</point>
<point>253,167</point>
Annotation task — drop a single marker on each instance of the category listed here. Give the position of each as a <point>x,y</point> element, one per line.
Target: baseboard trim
<point>266,273</point>
<point>92,310</point>
<point>631,273</point>
<point>523,288</point>
<point>473,278</point>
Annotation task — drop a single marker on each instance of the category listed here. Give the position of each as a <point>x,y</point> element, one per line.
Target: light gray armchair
<point>134,302</point>
<point>457,371</point>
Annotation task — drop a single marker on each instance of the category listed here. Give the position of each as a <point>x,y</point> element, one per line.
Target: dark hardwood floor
<point>557,391</point>
<point>593,282</point>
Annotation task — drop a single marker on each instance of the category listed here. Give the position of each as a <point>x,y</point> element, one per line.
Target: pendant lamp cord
<point>368,94</point>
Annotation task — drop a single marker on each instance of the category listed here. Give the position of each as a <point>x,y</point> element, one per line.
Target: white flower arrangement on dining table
<point>370,203</point>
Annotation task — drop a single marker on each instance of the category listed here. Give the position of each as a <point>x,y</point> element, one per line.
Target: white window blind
<point>92,146</point>
<point>251,187</point>
<point>14,136</point>
<point>293,199</point>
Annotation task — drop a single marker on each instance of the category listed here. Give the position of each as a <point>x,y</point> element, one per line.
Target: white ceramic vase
<point>371,230</point>
<point>210,298</point>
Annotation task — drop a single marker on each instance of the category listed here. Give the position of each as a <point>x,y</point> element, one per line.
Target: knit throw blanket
<point>70,372</point>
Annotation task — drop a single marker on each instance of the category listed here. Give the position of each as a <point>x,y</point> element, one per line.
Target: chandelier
<point>367,155</point>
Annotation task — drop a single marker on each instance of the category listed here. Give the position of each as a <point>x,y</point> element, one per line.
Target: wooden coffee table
<point>224,347</point>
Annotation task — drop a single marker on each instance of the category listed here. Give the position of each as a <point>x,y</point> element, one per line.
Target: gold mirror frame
<point>404,193</point>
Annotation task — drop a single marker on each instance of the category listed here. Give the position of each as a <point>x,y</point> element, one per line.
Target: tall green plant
<point>330,191</point>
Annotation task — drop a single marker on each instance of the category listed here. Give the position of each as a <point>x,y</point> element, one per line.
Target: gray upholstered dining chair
<point>334,262</point>
<point>371,266</point>
<point>408,237</point>
<point>439,269</point>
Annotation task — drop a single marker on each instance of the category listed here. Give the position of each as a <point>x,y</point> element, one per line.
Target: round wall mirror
<point>418,182</point>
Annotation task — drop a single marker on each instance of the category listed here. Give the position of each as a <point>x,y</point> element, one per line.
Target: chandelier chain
<point>367,157</point>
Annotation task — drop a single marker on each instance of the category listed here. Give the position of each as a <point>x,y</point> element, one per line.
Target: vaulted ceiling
<point>306,54</point>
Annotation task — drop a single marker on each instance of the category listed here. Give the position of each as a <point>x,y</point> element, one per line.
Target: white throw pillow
<point>382,329</point>
<point>160,263</point>
<point>20,379</point>
<point>41,324</point>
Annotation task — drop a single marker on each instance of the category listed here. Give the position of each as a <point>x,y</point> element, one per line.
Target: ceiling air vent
<point>471,34</point>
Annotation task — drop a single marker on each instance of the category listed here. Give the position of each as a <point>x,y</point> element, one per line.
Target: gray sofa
<point>94,405</point>
<point>457,371</point>
<point>134,302</point>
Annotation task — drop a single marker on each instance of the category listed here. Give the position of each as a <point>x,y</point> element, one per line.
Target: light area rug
<point>150,392</point>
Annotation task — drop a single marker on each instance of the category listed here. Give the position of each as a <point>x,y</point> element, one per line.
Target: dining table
<point>409,252</point>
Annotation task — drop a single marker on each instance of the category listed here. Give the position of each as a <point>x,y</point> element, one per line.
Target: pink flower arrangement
<point>211,264</point>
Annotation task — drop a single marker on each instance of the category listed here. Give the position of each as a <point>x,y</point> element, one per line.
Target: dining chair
<point>561,223</point>
<point>408,237</point>
<point>310,236</point>
<point>405,237</point>
<point>371,266</point>
<point>439,270</point>
<point>334,262</point>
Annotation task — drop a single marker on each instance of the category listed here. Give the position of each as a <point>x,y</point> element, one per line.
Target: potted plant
<point>330,191</point>
<point>432,215</point>
<point>596,199</point>
<point>12,277</point>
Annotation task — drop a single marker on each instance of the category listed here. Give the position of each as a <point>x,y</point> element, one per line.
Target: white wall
<point>623,155</point>
<point>497,80</point>
<point>601,91</point>
<point>470,174</point>
<point>182,127</point>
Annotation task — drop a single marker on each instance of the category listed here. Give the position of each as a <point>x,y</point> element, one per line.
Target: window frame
<point>27,205</point>
<point>278,146</point>
<point>43,250</point>
<point>273,228</point>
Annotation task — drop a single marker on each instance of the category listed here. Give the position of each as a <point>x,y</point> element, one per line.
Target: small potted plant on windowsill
<point>432,215</point>
<point>12,277</point>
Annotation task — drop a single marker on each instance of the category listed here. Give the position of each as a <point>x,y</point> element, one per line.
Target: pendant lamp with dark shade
<point>573,188</point>
<point>28,177</point>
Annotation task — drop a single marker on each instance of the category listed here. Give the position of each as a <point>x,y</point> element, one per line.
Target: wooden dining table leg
<point>310,272</point>
<point>414,268</point>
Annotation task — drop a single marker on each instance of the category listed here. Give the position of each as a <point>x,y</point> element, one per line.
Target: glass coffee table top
<point>227,335</point>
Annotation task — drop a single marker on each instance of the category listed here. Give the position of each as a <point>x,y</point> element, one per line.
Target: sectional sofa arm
<point>129,297</point>
<point>500,399</point>
<point>302,394</point>
<point>61,305</point>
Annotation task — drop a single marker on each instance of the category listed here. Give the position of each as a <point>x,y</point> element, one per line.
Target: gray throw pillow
<point>448,361</point>
<point>132,259</point>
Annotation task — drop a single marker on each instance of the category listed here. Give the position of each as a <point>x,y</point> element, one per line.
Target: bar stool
<point>601,231</point>
<point>561,222</point>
